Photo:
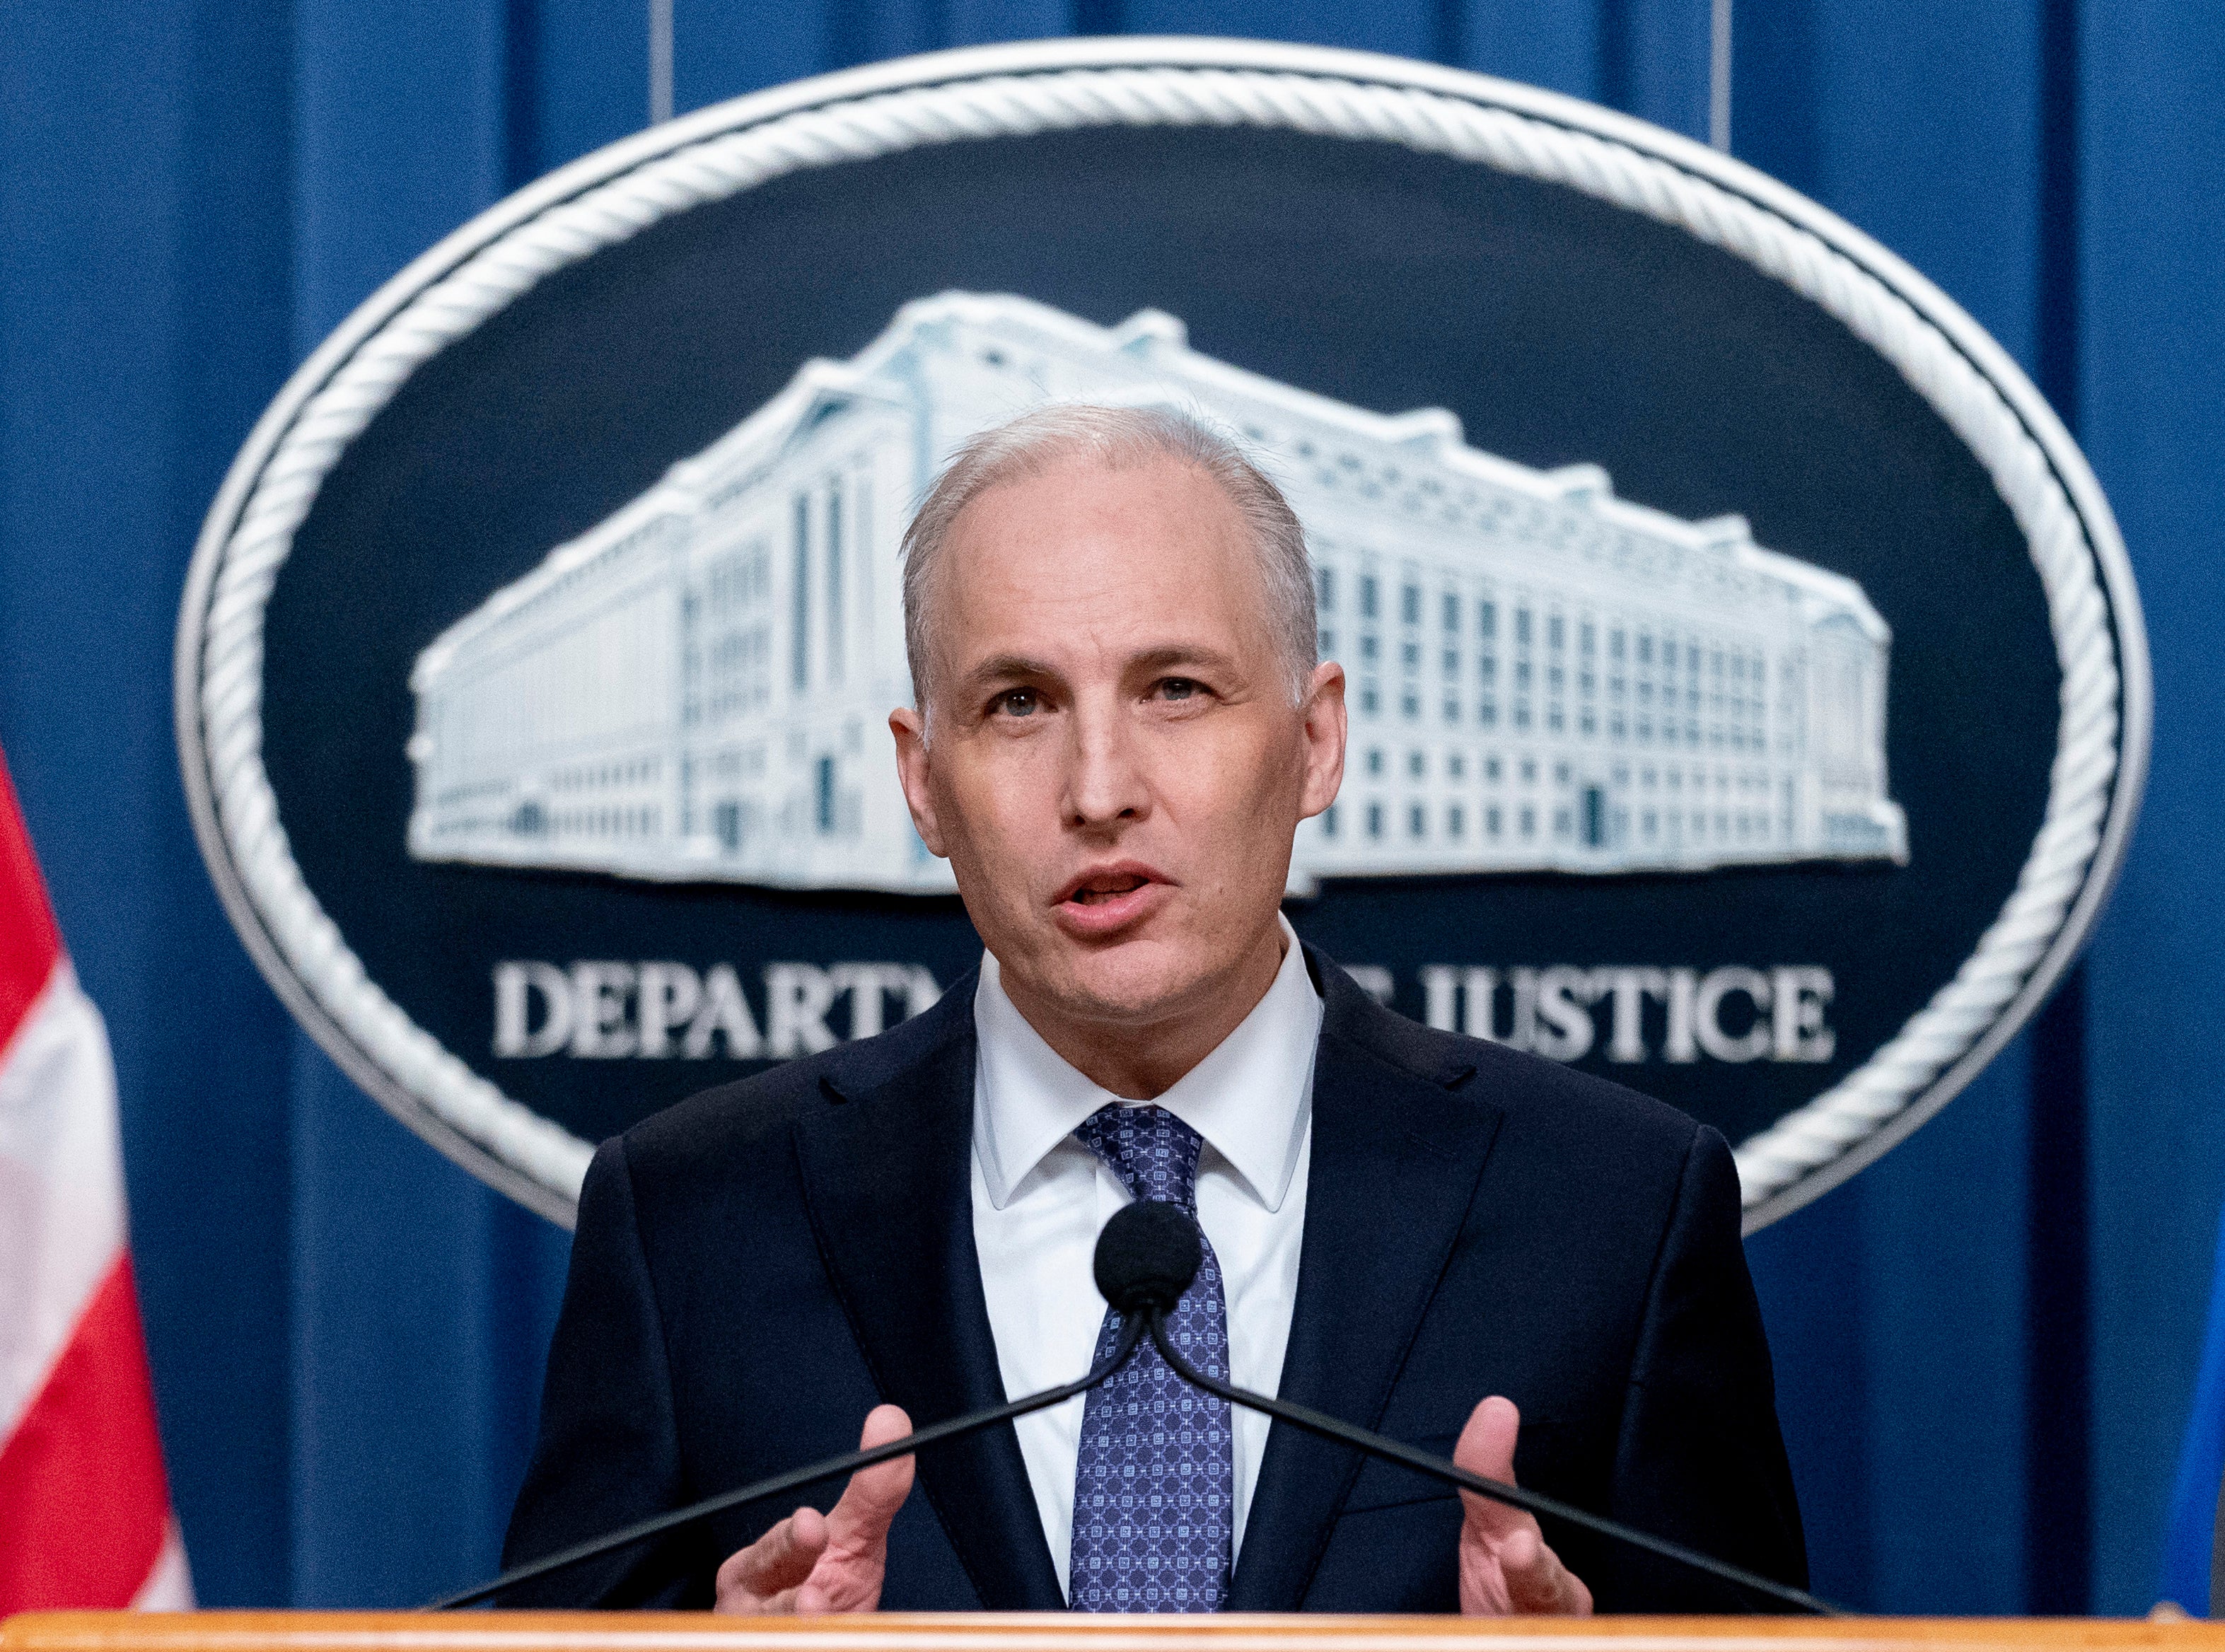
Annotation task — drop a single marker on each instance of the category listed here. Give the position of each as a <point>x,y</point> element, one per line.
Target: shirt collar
<point>1250,1098</point>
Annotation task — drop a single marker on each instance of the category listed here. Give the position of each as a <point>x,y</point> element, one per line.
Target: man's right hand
<point>812,1563</point>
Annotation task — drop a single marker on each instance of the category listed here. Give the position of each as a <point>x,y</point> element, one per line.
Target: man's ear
<point>1324,735</point>
<point>913,771</point>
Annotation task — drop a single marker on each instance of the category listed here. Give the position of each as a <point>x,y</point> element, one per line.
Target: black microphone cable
<point>1158,1244</point>
<point>1132,1334</point>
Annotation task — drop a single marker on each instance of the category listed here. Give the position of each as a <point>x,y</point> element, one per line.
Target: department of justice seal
<point>1749,698</point>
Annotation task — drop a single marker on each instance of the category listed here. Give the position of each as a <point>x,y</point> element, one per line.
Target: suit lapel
<point>887,1173</point>
<point>1396,1158</point>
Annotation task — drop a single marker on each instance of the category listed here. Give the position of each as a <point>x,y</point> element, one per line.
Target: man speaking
<point>1119,723</point>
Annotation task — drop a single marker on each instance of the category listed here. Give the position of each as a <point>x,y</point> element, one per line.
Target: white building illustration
<point>1543,676</point>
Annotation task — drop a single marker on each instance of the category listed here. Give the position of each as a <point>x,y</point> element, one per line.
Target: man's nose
<point>1106,782</point>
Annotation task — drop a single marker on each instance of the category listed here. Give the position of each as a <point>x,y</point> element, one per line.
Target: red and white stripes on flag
<point>85,1509</point>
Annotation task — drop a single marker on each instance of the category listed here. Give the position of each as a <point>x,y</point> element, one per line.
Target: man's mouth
<point>1098,891</point>
<point>1114,895</point>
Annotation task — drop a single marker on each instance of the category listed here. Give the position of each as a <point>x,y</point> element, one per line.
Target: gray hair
<point>1120,439</point>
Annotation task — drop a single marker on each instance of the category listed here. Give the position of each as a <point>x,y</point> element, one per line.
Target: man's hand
<point>1505,1568</point>
<point>812,1563</point>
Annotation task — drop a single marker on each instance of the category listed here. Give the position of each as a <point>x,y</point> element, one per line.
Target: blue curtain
<point>2190,1539</point>
<point>1986,1345</point>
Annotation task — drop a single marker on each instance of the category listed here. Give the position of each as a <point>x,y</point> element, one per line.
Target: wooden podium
<point>480,1631</point>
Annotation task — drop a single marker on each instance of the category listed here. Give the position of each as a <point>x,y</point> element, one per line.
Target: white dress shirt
<point>1039,1197</point>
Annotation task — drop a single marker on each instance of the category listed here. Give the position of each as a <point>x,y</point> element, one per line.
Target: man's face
<point>1115,766</point>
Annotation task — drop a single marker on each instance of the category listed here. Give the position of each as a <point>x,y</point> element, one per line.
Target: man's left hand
<point>1505,1567</point>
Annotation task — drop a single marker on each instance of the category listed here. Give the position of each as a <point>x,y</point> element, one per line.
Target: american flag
<point>84,1506</point>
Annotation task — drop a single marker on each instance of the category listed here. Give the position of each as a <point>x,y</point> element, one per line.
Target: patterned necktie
<point>1154,1484</point>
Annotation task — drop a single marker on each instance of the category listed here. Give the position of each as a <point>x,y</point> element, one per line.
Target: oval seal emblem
<point>1749,694</point>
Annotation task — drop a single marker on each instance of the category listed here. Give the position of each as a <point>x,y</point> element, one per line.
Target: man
<point>1121,722</point>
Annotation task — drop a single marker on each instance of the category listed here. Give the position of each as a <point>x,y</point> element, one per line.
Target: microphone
<point>1144,1289</point>
<point>1146,1258</point>
<point>1147,1255</point>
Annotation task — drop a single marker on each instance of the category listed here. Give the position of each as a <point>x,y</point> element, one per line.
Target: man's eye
<point>1178,688</point>
<point>1017,702</point>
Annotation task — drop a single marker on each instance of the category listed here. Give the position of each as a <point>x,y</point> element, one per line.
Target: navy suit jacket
<point>758,1266</point>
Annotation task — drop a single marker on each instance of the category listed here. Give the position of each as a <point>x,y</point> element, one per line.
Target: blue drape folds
<point>1987,1345</point>
<point>2189,1538</point>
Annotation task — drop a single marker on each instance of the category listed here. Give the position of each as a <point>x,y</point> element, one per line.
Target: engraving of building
<point>1543,676</point>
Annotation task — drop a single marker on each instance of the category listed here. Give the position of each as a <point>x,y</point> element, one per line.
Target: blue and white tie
<point>1154,1484</point>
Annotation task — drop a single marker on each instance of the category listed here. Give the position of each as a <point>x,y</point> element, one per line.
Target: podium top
<point>484,1631</point>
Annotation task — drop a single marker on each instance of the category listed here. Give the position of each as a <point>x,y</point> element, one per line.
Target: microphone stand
<point>1146,1258</point>
<point>1375,1444</point>
<point>1132,1334</point>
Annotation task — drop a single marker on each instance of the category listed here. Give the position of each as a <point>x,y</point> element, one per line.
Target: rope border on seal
<point>472,1116</point>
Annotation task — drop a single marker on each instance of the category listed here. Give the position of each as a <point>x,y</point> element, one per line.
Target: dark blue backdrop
<point>1986,1344</point>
